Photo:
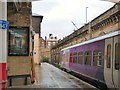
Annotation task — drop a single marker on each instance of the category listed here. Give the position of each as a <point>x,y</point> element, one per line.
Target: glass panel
<point>75,58</point>
<point>18,41</point>
<point>80,58</point>
<point>108,56</point>
<point>97,58</point>
<point>117,56</point>
<point>87,59</point>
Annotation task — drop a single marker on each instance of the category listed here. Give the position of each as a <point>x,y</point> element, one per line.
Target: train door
<point>71,56</point>
<point>67,59</point>
<point>112,61</point>
<point>116,61</point>
<point>108,71</point>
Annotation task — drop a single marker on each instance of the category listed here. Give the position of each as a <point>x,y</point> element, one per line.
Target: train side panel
<point>87,68</point>
<point>64,63</point>
<point>98,60</point>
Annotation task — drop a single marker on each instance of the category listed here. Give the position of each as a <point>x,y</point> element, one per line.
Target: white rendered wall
<point>3,32</point>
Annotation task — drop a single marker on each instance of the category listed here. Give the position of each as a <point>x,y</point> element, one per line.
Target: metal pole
<point>89,24</point>
<point>86,14</point>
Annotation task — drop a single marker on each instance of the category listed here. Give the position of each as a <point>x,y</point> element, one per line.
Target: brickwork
<point>47,44</point>
<point>45,53</point>
<point>19,15</point>
<point>107,22</point>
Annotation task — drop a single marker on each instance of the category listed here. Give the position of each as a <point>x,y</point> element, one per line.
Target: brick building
<point>36,24</point>
<point>50,41</point>
<point>46,46</point>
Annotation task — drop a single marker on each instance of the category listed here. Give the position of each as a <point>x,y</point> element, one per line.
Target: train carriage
<point>97,59</point>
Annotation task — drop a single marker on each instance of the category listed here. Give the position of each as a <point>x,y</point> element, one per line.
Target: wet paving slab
<point>48,76</point>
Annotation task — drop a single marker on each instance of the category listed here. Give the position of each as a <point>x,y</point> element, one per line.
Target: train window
<point>80,58</point>
<point>18,41</point>
<point>108,62</point>
<point>75,58</point>
<point>117,56</point>
<point>97,58</point>
<point>87,57</point>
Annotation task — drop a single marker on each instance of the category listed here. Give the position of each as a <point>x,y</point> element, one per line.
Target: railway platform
<point>48,76</point>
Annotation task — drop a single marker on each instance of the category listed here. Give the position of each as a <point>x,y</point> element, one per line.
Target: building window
<point>49,44</point>
<point>80,58</point>
<point>18,41</point>
<point>87,59</point>
<point>117,56</point>
<point>97,58</point>
<point>42,44</point>
<point>108,62</point>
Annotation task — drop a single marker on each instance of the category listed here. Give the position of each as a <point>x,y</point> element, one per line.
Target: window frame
<point>75,59</point>
<point>117,56</point>
<point>80,57</point>
<point>87,57</point>
<point>108,56</point>
<point>97,57</point>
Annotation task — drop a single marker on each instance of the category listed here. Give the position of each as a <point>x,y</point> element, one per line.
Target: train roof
<point>94,39</point>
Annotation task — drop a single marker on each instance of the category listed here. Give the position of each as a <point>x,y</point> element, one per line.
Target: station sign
<point>4,24</point>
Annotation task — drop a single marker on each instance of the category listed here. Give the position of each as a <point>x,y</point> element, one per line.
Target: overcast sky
<point>58,14</point>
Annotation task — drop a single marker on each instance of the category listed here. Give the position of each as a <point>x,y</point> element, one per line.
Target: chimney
<point>45,38</point>
<point>50,35</point>
<point>45,44</point>
<point>56,38</point>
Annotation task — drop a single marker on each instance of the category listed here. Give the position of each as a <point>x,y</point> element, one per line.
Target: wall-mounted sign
<point>4,24</point>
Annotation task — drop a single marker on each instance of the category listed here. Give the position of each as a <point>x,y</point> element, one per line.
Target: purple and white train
<point>97,59</point>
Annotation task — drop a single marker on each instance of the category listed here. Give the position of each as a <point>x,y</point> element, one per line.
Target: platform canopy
<point>36,22</point>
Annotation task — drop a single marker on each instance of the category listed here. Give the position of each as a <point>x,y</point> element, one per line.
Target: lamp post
<point>89,24</point>
<point>86,14</point>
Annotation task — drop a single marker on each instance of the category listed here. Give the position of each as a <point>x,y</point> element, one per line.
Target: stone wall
<point>19,15</point>
<point>107,22</point>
